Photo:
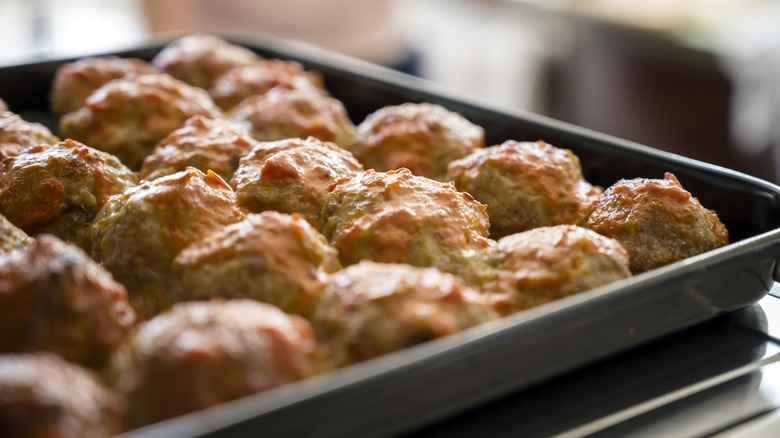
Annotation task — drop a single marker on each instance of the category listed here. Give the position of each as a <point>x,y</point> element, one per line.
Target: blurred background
<point>696,77</point>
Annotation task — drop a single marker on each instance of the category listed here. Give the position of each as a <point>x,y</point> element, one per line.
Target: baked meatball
<point>284,113</point>
<point>291,176</point>
<point>242,82</point>
<point>200,59</point>
<point>42,396</point>
<point>657,221</point>
<point>17,134</point>
<point>200,354</point>
<point>11,237</point>
<point>75,81</point>
<point>59,189</point>
<point>371,309</point>
<point>137,234</point>
<point>421,137</point>
<point>55,298</point>
<point>397,217</point>
<point>202,143</point>
<point>544,264</point>
<point>128,116</point>
<point>526,185</point>
<point>271,257</point>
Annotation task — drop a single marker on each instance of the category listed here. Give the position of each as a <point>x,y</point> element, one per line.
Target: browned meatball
<point>202,143</point>
<point>657,221</point>
<point>137,234</point>
<point>292,176</point>
<point>544,264</point>
<point>59,189</point>
<point>128,116</point>
<point>200,354</point>
<point>526,185</point>
<point>397,217</point>
<point>11,237</point>
<point>271,257</point>
<point>17,134</point>
<point>283,113</point>
<point>423,138</point>
<point>242,82</point>
<point>42,396</point>
<point>75,81</point>
<point>55,298</point>
<point>200,59</point>
<point>370,309</point>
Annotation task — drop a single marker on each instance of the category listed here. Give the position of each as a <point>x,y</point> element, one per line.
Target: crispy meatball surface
<point>201,354</point>
<point>42,396</point>
<point>17,134</point>
<point>526,185</point>
<point>292,176</point>
<point>300,113</point>
<point>59,189</point>
<point>137,234</point>
<point>128,116</point>
<point>55,298</point>
<point>397,217</point>
<point>370,309</point>
<point>270,257</point>
<point>202,143</point>
<point>11,237</point>
<point>75,81</point>
<point>200,59</point>
<point>657,221</point>
<point>421,137</point>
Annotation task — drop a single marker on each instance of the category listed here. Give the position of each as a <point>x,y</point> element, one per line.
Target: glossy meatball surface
<point>17,134</point>
<point>11,237</point>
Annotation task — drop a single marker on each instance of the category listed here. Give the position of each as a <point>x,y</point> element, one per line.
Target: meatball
<point>53,297</point>
<point>271,257</point>
<point>128,116</point>
<point>371,309</point>
<point>59,189</point>
<point>283,113</point>
<point>242,82</point>
<point>544,264</point>
<point>526,185</point>
<point>200,59</point>
<point>75,81</point>
<point>43,396</point>
<point>17,134</point>
<point>203,143</point>
<point>657,221</point>
<point>137,234</point>
<point>397,217</point>
<point>423,138</point>
<point>200,354</point>
<point>291,176</point>
<point>11,237</point>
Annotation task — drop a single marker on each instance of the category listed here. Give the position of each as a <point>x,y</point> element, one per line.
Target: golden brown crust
<point>657,221</point>
<point>17,134</point>
<point>11,237</point>
<point>526,185</point>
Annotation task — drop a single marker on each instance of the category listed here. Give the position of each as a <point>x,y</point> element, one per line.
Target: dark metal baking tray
<point>402,391</point>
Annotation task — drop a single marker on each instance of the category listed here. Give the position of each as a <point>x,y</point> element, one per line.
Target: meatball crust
<point>42,396</point>
<point>53,297</point>
<point>137,234</point>
<point>17,134</point>
<point>300,113</point>
<point>200,59</point>
<point>200,354</point>
<point>59,189</point>
<point>657,221</point>
<point>544,264</point>
<point>75,81</point>
<point>11,237</point>
<point>128,116</point>
<point>397,217</point>
<point>371,309</point>
<point>421,137</point>
<point>526,185</point>
<point>202,143</point>
<point>291,176</point>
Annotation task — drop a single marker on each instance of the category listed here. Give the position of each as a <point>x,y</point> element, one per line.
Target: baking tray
<point>408,389</point>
